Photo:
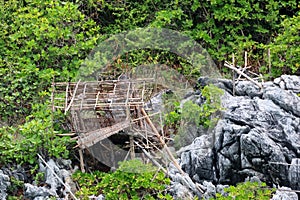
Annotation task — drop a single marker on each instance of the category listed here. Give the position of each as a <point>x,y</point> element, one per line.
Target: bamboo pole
<point>59,179</point>
<point>162,141</point>
<point>269,60</point>
<point>132,154</point>
<point>97,98</point>
<point>108,82</point>
<point>233,76</point>
<point>187,180</point>
<point>66,99</point>
<point>81,161</point>
<point>151,158</point>
<point>84,88</point>
<point>126,102</point>
<point>74,94</point>
<point>246,59</point>
<point>226,64</point>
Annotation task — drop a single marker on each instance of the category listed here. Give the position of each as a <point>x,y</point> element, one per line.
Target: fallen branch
<point>226,64</point>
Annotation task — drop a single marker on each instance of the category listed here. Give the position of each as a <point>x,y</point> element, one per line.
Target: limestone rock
<point>35,192</point>
<point>285,194</point>
<point>258,136</point>
<point>4,184</point>
<point>294,174</point>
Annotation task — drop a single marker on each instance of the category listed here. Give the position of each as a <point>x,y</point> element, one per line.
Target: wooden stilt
<point>112,156</point>
<point>132,154</point>
<point>81,161</point>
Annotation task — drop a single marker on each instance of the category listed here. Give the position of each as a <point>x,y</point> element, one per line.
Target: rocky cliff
<point>257,136</point>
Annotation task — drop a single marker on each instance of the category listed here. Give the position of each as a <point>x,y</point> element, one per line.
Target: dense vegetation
<point>247,190</point>
<point>45,41</point>
<point>132,180</point>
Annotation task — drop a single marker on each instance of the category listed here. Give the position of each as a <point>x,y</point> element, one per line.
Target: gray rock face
<point>200,154</point>
<point>4,184</point>
<point>35,192</point>
<point>284,193</point>
<point>54,187</point>
<point>259,135</point>
<point>286,100</point>
<point>294,170</point>
<point>179,191</point>
<point>287,82</point>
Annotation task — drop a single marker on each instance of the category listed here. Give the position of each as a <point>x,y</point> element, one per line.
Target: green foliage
<point>192,114</point>
<point>42,40</point>
<point>195,114</point>
<point>132,180</point>
<point>21,144</point>
<point>221,27</point>
<point>247,190</point>
<point>45,39</point>
<point>15,197</point>
<point>39,177</point>
<point>39,40</point>
<point>173,117</point>
<point>285,49</point>
<point>203,115</point>
<point>16,186</point>
<point>226,27</point>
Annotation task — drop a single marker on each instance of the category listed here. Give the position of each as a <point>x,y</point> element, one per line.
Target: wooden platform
<point>90,138</point>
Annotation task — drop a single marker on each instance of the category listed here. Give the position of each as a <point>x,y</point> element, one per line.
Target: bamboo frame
<point>121,96</point>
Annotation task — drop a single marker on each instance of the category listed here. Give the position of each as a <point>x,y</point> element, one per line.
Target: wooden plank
<point>90,138</point>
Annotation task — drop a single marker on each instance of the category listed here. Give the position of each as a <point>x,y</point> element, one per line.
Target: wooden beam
<point>187,180</point>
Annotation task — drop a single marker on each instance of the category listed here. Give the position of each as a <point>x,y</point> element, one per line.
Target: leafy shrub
<point>22,144</point>
<point>193,114</point>
<point>221,27</point>
<point>172,119</point>
<point>15,188</point>
<point>247,190</point>
<point>132,180</point>
<point>39,41</point>
<point>285,49</point>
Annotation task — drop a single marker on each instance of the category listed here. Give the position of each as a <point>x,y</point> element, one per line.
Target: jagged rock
<point>285,194</point>
<point>258,135</point>
<point>210,190</point>
<point>100,197</point>
<point>288,82</point>
<point>35,192</point>
<point>246,88</point>
<point>197,159</point>
<point>179,191</point>
<point>220,189</point>
<point>155,103</point>
<point>287,100</point>
<point>67,177</point>
<point>4,184</point>
<point>16,172</point>
<point>63,163</point>
<point>51,179</point>
<point>54,185</point>
<point>187,133</point>
<point>294,174</point>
